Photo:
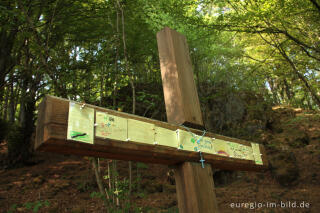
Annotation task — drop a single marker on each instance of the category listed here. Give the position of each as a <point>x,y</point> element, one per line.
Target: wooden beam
<point>180,93</point>
<point>51,136</point>
<point>194,184</point>
<point>195,188</point>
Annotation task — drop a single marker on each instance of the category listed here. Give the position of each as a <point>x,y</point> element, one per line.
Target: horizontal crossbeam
<point>56,133</point>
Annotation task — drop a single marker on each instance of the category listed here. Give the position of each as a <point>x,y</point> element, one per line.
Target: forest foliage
<point>104,52</point>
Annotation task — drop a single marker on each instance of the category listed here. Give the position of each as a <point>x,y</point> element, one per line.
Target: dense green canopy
<point>90,49</point>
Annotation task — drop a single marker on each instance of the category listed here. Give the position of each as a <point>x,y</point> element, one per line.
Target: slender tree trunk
<point>6,105</point>
<point>288,89</point>
<point>309,87</point>
<point>95,165</point>
<point>101,86</point>
<point>12,101</point>
<point>308,102</point>
<point>27,109</point>
<point>96,161</point>
<point>273,90</point>
<point>6,61</point>
<point>317,5</point>
<point>131,80</point>
<point>109,177</point>
<point>115,182</point>
<point>115,88</point>
<point>1,99</point>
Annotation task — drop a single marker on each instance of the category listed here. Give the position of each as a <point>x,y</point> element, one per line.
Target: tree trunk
<point>288,89</point>
<point>97,173</point>
<point>5,105</point>
<point>27,109</point>
<point>131,80</point>
<point>6,60</point>
<point>1,99</point>
<point>273,91</point>
<point>309,87</point>
<point>314,2</point>
<point>12,101</point>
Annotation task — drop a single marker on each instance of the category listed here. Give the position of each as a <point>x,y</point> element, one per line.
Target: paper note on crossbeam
<point>221,147</point>
<point>186,140</point>
<point>141,132</point>
<point>256,153</point>
<point>206,145</point>
<point>165,137</point>
<point>240,151</point>
<point>80,123</point>
<point>233,150</point>
<point>111,126</point>
<point>192,142</point>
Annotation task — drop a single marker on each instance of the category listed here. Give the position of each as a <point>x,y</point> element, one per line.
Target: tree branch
<point>257,29</point>
<point>314,2</point>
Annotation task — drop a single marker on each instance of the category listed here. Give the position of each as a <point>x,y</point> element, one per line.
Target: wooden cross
<point>68,127</point>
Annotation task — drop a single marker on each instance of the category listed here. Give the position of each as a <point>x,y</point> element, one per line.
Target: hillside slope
<point>58,183</point>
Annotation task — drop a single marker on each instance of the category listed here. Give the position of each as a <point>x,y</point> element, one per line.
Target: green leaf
<point>28,205</point>
<point>142,165</point>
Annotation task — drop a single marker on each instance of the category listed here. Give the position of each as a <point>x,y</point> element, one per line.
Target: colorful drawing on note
<point>221,152</point>
<point>206,145</point>
<point>80,123</point>
<point>221,147</point>
<point>240,151</point>
<point>193,142</point>
<point>111,126</point>
<point>233,150</point>
<point>186,140</point>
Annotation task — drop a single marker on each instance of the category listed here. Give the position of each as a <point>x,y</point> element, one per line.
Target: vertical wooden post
<point>194,184</point>
<point>195,188</point>
<point>180,93</point>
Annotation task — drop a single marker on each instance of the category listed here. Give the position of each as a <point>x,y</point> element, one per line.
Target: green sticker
<point>80,123</point>
<point>80,136</point>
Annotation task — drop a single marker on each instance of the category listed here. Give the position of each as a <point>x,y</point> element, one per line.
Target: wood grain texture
<point>195,188</point>
<point>52,136</point>
<point>180,93</point>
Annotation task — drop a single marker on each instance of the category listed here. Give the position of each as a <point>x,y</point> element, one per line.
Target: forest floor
<point>68,183</point>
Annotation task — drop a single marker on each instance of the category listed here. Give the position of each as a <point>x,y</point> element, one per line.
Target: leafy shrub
<point>12,208</point>
<point>142,165</point>
<point>36,206</point>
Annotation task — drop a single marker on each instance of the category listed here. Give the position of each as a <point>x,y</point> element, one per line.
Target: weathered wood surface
<point>195,188</point>
<point>194,184</point>
<point>51,136</point>
<point>180,93</point>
